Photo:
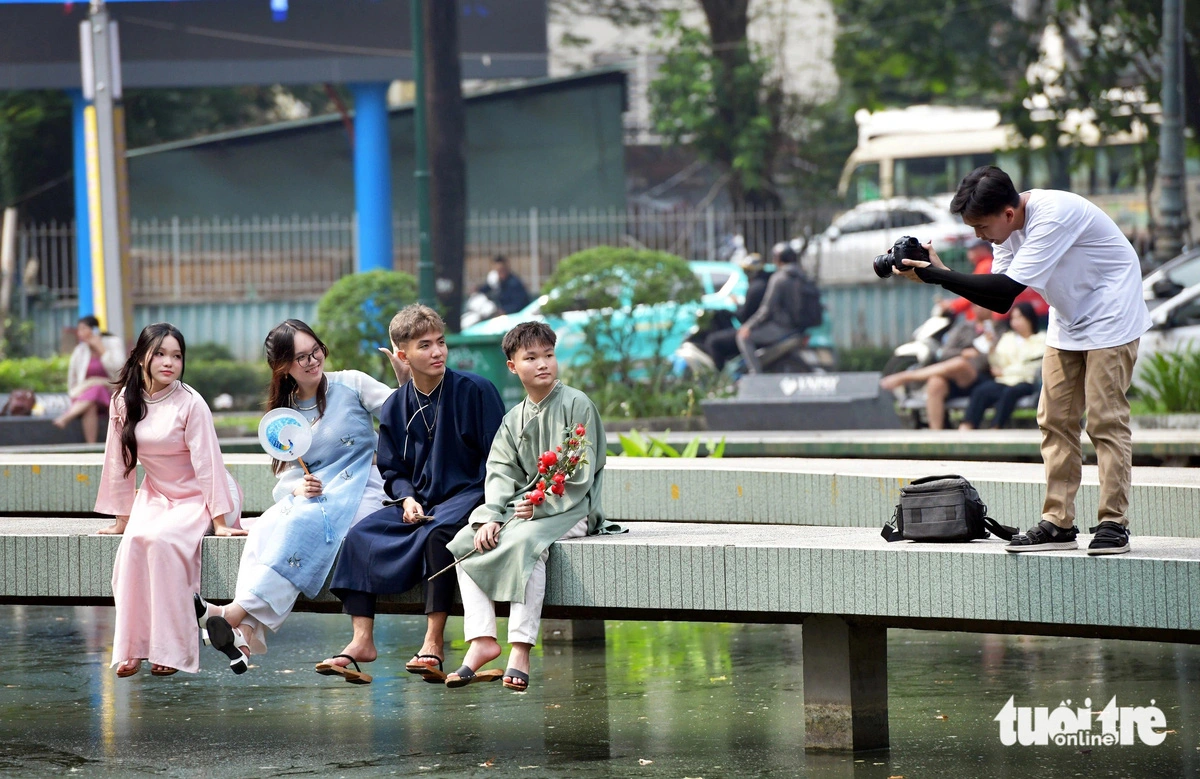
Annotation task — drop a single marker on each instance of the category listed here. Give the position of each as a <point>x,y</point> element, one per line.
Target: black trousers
<point>988,393</point>
<point>439,593</point>
<point>722,346</point>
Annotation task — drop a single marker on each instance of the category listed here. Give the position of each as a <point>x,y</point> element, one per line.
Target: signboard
<point>166,43</point>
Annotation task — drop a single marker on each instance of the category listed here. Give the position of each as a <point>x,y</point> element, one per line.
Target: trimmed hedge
<point>246,382</point>
<point>35,373</point>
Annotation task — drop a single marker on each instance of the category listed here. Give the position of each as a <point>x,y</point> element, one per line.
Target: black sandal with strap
<point>333,669</point>
<point>467,676</point>
<point>427,672</point>
<point>413,667</point>
<point>516,676</point>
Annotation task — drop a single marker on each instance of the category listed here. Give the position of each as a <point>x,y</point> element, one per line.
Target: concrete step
<point>764,491</point>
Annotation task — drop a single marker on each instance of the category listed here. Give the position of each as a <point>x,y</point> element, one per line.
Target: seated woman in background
<point>163,425</point>
<point>95,365</point>
<point>1014,362</point>
<point>292,546</point>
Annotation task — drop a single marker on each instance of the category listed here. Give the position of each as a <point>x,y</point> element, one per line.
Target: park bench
<point>912,407</point>
<point>40,429</point>
<point>765,540</point>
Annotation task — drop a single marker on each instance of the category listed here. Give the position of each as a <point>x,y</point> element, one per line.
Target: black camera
<point>905,248</point>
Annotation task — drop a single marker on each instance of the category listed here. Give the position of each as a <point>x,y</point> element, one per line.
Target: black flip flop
<point>421,668</point>
<point>467,676</point>
<point>333,669</point>
<point>515,675</point>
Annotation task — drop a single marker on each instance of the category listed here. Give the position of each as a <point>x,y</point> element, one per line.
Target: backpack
<point>812,311</point>
<point>942,508</point>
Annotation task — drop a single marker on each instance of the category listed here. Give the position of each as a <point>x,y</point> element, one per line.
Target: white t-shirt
<point>1071,253</point>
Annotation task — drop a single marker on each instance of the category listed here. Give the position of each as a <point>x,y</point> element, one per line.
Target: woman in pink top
<point>95,364</point>
<point>162,424</point>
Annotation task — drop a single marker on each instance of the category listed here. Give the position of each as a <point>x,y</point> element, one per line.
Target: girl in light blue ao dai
<point>291,548</point>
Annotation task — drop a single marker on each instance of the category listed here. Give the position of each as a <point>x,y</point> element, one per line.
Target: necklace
<point>151,401</point>
<point>436,409</point>
<point>306,408</point>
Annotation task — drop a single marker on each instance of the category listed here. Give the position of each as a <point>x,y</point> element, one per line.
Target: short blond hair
<point>413,322</point>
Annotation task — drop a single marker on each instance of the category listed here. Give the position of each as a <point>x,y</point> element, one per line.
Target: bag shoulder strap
<point>890,532</point>
<point>1002,531</point>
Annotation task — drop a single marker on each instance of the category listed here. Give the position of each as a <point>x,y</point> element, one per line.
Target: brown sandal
<point>127,672</point>
<point>467,676</point>
<point>355,676</point>
<point>426,671</point>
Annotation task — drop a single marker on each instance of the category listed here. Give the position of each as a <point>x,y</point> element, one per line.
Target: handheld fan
<point>285,434</point>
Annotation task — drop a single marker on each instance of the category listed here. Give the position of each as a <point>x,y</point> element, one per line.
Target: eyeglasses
<point>306,360</point>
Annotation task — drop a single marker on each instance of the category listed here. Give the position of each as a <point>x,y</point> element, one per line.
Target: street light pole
<point>1172,205</point>
<point>104,135</point>
<point>425,283</point>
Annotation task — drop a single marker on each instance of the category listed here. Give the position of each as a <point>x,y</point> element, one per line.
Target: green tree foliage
<point>353,318</point>
<point>36,145</point>
<point>902,52</point>
<point>35,150</point>
<point>976,52</point>
<point>154,116</point>
<point>716,93</point>
<point>1110,71</point>
<point>623,355</point>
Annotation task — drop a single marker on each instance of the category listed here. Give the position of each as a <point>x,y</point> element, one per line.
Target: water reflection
<point>692,699</point>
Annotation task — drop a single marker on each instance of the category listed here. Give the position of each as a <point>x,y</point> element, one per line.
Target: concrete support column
<point>372,177</point>
<point>83,222</point>
<point>845,685</point>
<point>572,631</point>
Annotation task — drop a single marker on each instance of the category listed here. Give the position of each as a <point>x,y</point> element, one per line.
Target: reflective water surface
<point>657,700</point>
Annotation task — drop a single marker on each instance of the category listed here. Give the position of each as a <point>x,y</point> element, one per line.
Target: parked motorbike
<point>477,308</point>
<point>796,354</point>
<point>923,349</point>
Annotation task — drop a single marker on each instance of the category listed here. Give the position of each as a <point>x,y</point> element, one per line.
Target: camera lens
<point>883,265</point>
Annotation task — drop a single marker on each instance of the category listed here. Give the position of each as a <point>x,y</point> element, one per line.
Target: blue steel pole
<point>83,222</point>
<point>372,176</point>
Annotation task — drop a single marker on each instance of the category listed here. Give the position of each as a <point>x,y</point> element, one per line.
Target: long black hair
<point>132,382</point>
<point>280,345</point>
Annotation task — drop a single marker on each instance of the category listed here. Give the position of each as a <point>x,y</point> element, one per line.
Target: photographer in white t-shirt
<point>1075,256</point>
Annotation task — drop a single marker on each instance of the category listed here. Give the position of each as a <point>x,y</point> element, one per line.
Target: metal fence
<point>276,258</point>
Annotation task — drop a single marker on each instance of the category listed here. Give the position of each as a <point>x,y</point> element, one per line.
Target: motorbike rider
<point>721,343</point>
<point>790,305</point>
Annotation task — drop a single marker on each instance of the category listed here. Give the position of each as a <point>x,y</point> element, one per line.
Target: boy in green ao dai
<point>511,565</point>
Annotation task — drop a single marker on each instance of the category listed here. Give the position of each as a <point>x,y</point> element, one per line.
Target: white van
<point>925,151</point>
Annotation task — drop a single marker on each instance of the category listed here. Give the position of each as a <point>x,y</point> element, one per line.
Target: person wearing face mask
<point>163,425</point>
<point>1069,251</point>
<point>292,546</point>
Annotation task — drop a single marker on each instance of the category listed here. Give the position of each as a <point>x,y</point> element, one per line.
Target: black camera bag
<point>942,508</point>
